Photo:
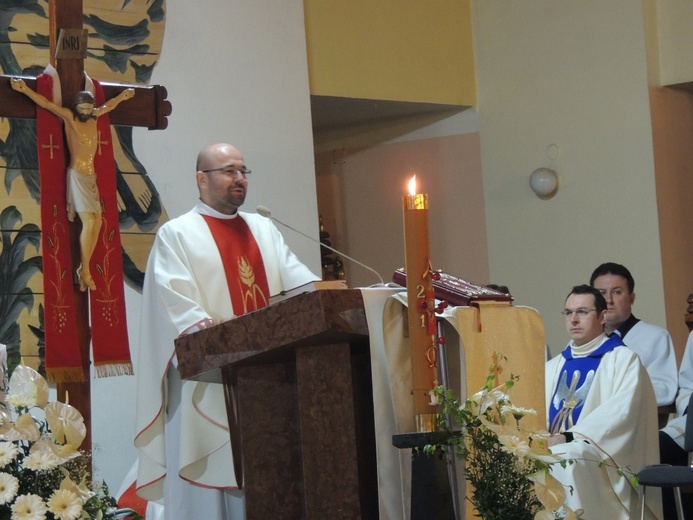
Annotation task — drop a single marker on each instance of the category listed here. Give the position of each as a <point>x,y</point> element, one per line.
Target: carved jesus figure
<point>82,141</point>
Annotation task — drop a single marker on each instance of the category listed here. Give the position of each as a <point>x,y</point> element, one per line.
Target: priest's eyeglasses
<point>581,312</point>
<point>229,170</point>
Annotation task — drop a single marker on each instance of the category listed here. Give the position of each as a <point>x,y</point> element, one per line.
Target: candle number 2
<point>422,303</point>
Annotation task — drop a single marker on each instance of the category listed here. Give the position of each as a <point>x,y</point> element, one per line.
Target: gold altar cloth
<point>515,332</point>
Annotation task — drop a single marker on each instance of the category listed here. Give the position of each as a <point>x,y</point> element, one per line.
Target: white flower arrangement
<point>508,465</point>
<point>43,475</point>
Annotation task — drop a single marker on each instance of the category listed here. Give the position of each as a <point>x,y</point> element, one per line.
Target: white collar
<point>587,348</point>
<point>204,209</point>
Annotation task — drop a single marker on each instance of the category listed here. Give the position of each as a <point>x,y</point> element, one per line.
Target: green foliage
<point>506,464</point>
<point>15,273</point>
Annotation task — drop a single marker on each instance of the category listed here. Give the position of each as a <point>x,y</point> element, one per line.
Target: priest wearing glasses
<point>206,266</point>
<point>601,406</point>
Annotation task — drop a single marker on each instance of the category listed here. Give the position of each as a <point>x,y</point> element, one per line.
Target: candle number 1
<point>425,307</point>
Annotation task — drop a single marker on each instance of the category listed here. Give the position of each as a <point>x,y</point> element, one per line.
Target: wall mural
<point>125,38</point>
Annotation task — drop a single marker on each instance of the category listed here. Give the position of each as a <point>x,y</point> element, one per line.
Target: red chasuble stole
<point>243,265</point>
<point>62,339</point>
<point>111,354</point>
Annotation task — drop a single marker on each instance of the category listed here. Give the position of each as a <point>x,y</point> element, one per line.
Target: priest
<point>205,267</point>
<point>602,414</point>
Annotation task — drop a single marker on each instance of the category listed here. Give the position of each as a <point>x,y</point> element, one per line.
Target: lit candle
<point>420,302</point>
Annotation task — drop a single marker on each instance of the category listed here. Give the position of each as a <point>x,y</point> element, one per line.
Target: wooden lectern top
<point>271,333</point>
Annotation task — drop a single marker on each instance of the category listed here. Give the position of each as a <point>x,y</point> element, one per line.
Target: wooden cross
<point>149,108</point>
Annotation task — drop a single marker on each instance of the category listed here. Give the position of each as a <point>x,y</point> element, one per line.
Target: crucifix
<point>148,108</point>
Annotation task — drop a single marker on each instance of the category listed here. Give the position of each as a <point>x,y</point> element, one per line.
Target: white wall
<point>235,71</point>
<point>572,74</point>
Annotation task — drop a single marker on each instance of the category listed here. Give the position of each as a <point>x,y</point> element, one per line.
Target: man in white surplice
<point>205,267</point>
<point>600,404</point>
<point>651,343</point>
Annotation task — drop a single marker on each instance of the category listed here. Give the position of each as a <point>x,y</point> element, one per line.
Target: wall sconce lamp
<point>544,182</point>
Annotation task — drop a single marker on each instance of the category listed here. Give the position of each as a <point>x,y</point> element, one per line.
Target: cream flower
<point>47,448</point>
<point>544,514</point>
<point>502,429</point>
<point>5,422</point>
<point>482,401</point>
<point>572,515</point>
<point>8,452</point>
<point>81,489</point>
<point>540,448</point>
<point>25,429</point>
<point>29,507</point>
<point>8,487</point>
<point>517,412</point>
<point>41,461</point>
<point>27,388</point>
<point>66,424</point>
<point>515,445</point>
<point>548,489</point>
<point>65,505</point>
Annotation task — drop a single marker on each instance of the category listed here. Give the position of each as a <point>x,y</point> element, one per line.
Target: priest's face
<point>222,180</point>
<point>583,323</point>
<point>619,300</point>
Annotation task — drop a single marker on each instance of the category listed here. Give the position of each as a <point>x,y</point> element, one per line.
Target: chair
<point>665,475</point>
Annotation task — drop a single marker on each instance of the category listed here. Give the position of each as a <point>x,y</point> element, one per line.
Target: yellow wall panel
<point>398,50</point>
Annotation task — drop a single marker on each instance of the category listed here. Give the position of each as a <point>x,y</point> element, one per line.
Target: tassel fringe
<point>114,369</point>
<point>65,375</point>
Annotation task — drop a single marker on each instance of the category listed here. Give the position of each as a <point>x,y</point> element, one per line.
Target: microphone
<point>265,212</point>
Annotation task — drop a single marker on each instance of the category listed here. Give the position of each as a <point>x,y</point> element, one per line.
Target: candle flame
<point>412,185</point>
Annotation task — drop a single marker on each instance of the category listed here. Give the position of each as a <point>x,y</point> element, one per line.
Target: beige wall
<point>672,128</point>
<point>557,73</point>
<point>363,189</point>
<point>669,40</point>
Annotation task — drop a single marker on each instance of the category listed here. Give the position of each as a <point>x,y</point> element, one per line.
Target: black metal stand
<point>432,496</point>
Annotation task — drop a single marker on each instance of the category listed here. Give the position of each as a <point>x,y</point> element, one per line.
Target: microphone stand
<point>262,210</point>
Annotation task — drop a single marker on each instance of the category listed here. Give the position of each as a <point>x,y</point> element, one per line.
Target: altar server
<point>652,343</point>
<point>205,267</point>
<point>601,407</point>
